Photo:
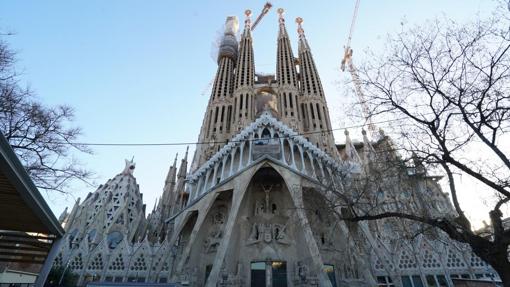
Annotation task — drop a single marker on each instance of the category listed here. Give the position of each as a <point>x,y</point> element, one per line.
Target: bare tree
<point>41,136</point>
<point>449,86</point>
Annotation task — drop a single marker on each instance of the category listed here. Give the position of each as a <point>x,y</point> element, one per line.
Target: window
<point>431,281</point>
<point>412,281</point>
<point>272,272</point>
<point>258,274</point>
<point>441,280</point>
<point>330,270</point>
<point>417,281</point>
<point>279,272</point>
<point>384,281</point>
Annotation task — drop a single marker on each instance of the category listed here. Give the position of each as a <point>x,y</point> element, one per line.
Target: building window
<point>330,270</point>
<point>412,281</point>
<point>279,273</point>
<point>265,273</point>
<point>436,281</point>
<point>384,281</point>
<point>258,274</point>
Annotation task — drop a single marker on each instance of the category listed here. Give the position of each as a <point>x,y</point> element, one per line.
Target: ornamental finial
<point>280,15</point>
<point>130,167</point>
<point>300,30</point>
<point>247,21</point>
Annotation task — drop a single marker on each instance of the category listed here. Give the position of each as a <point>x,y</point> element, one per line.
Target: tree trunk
<point>501,264</point>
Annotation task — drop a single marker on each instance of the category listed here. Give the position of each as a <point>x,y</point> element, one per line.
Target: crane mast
<point>347,61</point>
<point>263,13</point>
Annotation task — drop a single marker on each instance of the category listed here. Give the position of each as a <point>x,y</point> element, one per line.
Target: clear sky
<point>136,71</point>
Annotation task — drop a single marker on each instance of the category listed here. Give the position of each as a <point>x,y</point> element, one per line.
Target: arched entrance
<point>267,238</point>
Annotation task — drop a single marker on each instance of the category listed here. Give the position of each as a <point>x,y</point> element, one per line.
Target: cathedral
<point>258,205</point>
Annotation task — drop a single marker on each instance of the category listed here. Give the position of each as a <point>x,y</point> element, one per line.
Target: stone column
<point>296,193</point>
<point>237,196</point>
<point>202,215</point>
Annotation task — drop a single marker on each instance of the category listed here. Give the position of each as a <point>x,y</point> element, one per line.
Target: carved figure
<point>213,240</point>
<point>268,236</point>
<point>259,207</point>
<point>255,234</point>
<point>302,271</point>
<point>279,233</point>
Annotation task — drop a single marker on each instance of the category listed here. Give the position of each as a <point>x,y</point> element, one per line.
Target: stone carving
<point>259,207</point>
<point>302,276</point>
<point>279,233</point>
<point>267,235</point>
<point>254,236</point>
<point>214,237</point>
<point>267,232</point>
<point>302,271</point>
<point>213,241</point>
<point>189,276</point>
<point>230,278</point>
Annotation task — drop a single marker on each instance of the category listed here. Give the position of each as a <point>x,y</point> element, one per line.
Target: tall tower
<point>217,124</point>
<point>244,79</point>
<point>313,106</point>
<point>286,77</point>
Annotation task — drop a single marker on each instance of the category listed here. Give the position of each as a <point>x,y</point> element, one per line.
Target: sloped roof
<point>22,208</point>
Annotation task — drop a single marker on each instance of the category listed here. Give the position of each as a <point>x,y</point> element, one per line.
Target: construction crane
<point>264,11</point>
<point>347,61</point>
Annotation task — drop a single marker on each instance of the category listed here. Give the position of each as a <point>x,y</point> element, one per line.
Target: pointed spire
<point>184,165</point>
<point>129,167</point>
<point>310,81</point>
<point>286,73</point>
<point>350,150</point>
<point>247,23</point>
<point>303,44</point>
<point>286,76</point>
<point>170,177</point>
<point>368,149</point>
<point>63,216</point>
<point>245,68</point>
<point>155,204</point>
<point>228,45</point>
<point>281,20</point>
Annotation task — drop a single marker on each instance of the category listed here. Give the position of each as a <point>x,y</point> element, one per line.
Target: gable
<point>268,138</point>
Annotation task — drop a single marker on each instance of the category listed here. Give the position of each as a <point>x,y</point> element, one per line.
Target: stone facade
<point>257,207</point>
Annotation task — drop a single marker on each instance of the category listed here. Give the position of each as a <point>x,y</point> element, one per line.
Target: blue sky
<point>135,71</point>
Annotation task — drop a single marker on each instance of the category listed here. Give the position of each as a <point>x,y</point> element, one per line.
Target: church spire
<point>227,56</point>
<point>350,150</point>
<point>245,73</point>
<point>313,107</point>
<point>181,195</point>
<point>244,78</point>
<point>169,187</point>
<point>216,126</point>
<point>286,76</point>
<point>310,81</point>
